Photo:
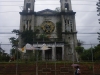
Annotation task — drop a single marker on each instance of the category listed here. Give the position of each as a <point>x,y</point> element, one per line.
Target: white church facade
<point>59,27</point>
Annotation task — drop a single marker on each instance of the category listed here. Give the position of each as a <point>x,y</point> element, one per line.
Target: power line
<point>10,11</point>
<point>51,4</point>
<point>6,33</point>
<point>82,44</point>
<point>77,36</point>
<point>11,1</point>
<point>14,33</point>
<point>20,11</point>
<point>5,44</point>
<point>10,28</point>
<point>51,0</point>
<point>76,26</point>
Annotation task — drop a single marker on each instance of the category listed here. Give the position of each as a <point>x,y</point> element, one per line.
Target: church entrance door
<point>58,53</point>
<point>48,54</point>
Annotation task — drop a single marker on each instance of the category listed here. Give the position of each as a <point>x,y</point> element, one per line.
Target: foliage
<point>17,32</point>
<point>96,52</point>
<point>37,55</point>
<point>13,41</point>
<point>43,37</point>
<point>4,57</point>
<point>79,49</point>
<point>91,54</point>
<point>86,55</point>
<point>79,43</point>
<point>12,52</point>
<point>28,36</point>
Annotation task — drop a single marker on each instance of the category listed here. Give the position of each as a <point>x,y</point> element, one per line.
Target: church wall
<point>33,23</point>
<point>71,39</point>
<point>40,19</point>
<point>54,19</point>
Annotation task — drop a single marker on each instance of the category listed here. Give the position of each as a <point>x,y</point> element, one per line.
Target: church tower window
<point>24,28</point>
<point>68,22</point>
<point>71,30</point>
<point>28,7</point>
<point>30,27</point>
<point>65,5</point>
<point>69,38</point>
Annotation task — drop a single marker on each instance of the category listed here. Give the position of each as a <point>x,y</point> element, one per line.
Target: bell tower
<point>27,18</point>
<point>29,5</point>
<point>68,28</point>
<point>65,5</point>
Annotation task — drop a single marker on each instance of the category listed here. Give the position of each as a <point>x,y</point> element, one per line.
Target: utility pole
<point>92,58</point>
<point>17,55</point>
<point>37,60</point>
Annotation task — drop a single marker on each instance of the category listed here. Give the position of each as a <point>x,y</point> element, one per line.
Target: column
<point>53,53</point>
<point>62,52</point>
<point>43,55</point>
<point>28,24</point>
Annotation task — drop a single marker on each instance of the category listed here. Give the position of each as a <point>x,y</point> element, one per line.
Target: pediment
<point>47,11</point>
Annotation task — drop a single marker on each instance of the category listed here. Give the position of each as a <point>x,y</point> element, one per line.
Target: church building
<point>56,29</point>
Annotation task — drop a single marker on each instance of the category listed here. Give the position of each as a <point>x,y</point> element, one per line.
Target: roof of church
<point>47,10</point>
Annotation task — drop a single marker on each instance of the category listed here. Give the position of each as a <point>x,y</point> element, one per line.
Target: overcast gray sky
<point>86,18</point>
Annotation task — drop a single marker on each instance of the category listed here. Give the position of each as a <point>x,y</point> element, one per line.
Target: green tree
<point>80,43</point>
<point>17,32</point>
<point>14,41</point>
<point>4,57</point>
<point>86,55</point>
<point>43,37</point>
<point>79,50</point>
<point>96,52</point>
<point>28,36</point>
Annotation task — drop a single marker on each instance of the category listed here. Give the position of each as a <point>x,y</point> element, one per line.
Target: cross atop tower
<point>29,5</point>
